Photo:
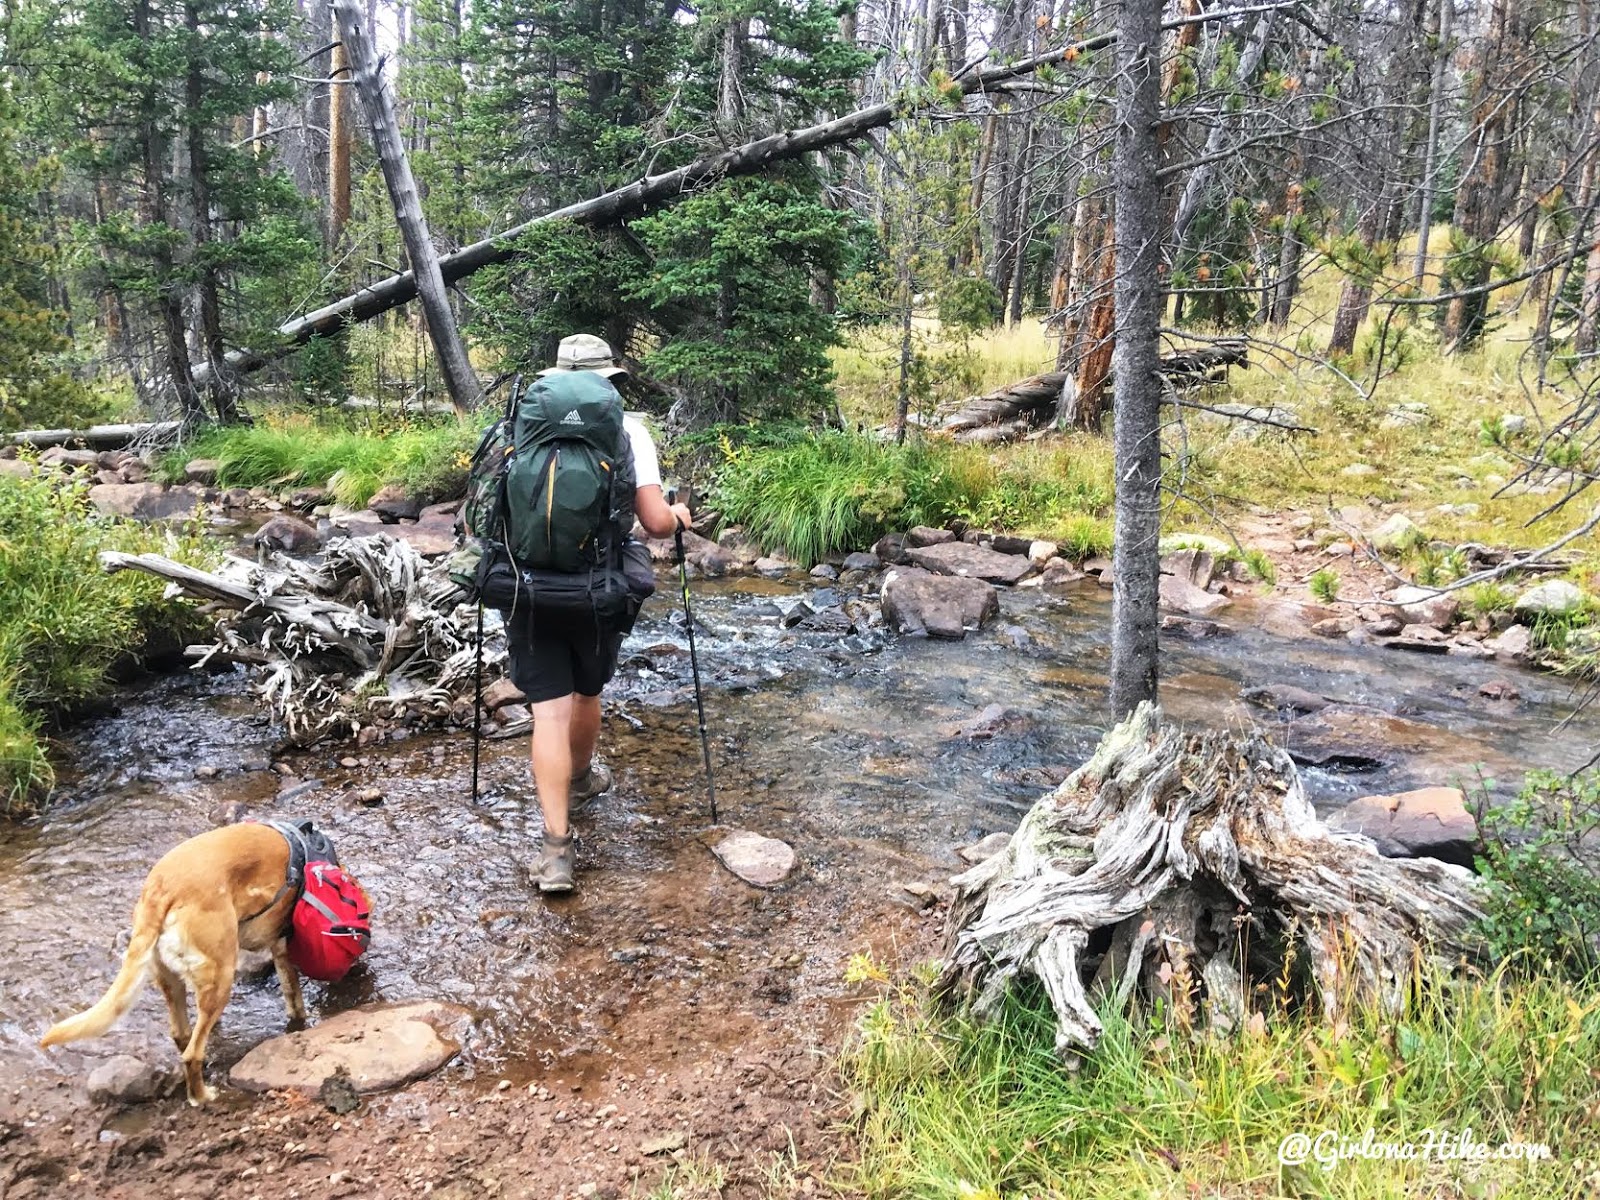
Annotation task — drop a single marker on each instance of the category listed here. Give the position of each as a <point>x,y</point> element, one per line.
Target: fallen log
<point>1032,402</point>
<point>1189,868</point>
<point>99,437</point>
<point>372,631</point>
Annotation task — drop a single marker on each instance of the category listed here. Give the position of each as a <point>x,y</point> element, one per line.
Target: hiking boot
<point>596,781</point>
<point>554,868</point>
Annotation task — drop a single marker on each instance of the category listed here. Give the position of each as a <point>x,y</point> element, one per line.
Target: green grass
<point>286,451</point>
<point>64,621</point>
<point>950,1109</point>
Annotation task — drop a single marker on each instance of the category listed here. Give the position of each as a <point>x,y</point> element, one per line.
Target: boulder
<point>430,538</point>
<point>993,721</point>
<point>1552,598</point>
<point>740,550</point>
<point>1334,627</point>
<point>1179,595</point>
<point>1192,629</point>
<point>759,861</point>
<point>971,562</point>
<point>379,1046</point>
<point>1059,575</point>
<point>926,535</point>
<point>1426,606</point>
<point>824,571</point>
<point>307,498</point>
<point>1042,552</point>
<point>202,471</point>
<point>392,504</point>
<point>861,562</point>
<point>71,460</point>
<point>144,501</point>
<point>1399,532</point>
<point>1004,543</point>
<point>1514,645</point>
<point>501,693</point>
<point>1284,697</point>
<point>237,498</point>
<point>133,471</point>
<point>124,1079</point>
<point>17,467</point>
<point>445,508</point>
<point>1199,567</point>
<point>1431,822</point>
<point>289,534</point>
<point>984,849</point>
<point>919,602</point>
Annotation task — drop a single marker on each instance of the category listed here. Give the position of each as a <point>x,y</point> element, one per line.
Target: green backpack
<point>551,482</point>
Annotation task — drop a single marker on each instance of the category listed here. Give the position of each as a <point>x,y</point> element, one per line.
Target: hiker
<point>562,665</point>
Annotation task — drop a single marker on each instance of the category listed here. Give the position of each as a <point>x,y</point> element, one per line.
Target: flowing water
<point>859,751</point>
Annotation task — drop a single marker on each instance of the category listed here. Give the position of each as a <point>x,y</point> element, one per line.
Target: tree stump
<point>1190,867</point>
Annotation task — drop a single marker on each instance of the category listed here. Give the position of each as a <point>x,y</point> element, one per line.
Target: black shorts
<point>555,656</point>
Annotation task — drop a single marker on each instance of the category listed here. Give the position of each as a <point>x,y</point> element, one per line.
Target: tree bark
<point>459,379</point>
<point>1430,159</point>
<point>339,141</point>
<point>1136,359</point>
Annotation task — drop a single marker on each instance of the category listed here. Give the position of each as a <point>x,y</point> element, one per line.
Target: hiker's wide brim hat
<point>585,352</point>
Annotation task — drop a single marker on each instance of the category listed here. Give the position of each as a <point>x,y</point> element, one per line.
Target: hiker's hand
<point>682,513</point>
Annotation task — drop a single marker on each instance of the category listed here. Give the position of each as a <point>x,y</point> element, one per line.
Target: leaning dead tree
<point>1189,867</point>
<point>371,633</point>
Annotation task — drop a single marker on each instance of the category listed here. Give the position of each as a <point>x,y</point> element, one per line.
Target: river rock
<point>1397,533</point>
<point>1179,595</point>
<point>919,602</point>
<point>289,534</point>
<point>739,549</point>
<point>380,1046</point>
<point>971,562</point>
<point>1059,575</point>
<point>992,721</point>
<point>1552,598</point>
<point>1502,690</point>
<point>1425,606</point>
<point>759,861</point>
<point>144,501</point>
<point>1431,822</point>
<point>825,571</point>
<point>1199,567</point>
<point>430,538</point>
<point>861,562</point>
<point>501,693</point>
<point>307,498</point>
<point>926,535</point>
<point>1194,630</point>
<point>1041,552</point>
<point>773,567</point>
<point>125,1079</point>
<point>984,849</point>
<point>202,471</point>
<point>1285,697</point>
<point>17,467</point>
<point>392,503</point>
<point>1005,543</point>
<point>71,460</point>
<point>1334,627</point>
<point>1514,645</point>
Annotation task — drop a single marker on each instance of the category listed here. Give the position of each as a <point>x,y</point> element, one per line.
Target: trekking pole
<point>694,661</point>
<point>477,705</point>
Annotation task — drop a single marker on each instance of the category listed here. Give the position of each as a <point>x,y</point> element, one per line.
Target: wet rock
<point>500,693</point>
<point>1059,575</point>
<point>977,537</point>
<point>1192,628</point>
<point>824,571</point>
<point>971,562</point>
<point>1179,595</point>
<point>823,598</point>
<point>1399,532</point>
<point>994,720</point>
<point>144,501</point>
<point>1514,645</point>
<point>1334,627</point>
<point>126,1080</point>
<point>307,498</point>
<point>1499,689</point>
<point>1285,697</point>
<point>510,715</point>
<point>861,562</point>
<point>1004,543</point>
<point>289,534</point>
<point>1383,622</point>
<point>772,567</point>
<point>237,498</point>
<point>791,610</point>
<point>985,848</point>
<point>926,535</point>
<point>1017,637</point>
<point>1552,598</point>
<point>338,1093</point>
<point>369,797</point>
<point>393,504</point>
<point>891,549</point>
<point>1042,552</point>
<point>1198,567</point>
<point>828,620</point>
<point>202,471</point>
<point>759,861</point>
<point>919,602</point>
<point>377,1046</point>
<point>741,552</point>
<point>1430,822</point>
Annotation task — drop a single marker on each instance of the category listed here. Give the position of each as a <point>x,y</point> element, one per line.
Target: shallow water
<point>846,748</point>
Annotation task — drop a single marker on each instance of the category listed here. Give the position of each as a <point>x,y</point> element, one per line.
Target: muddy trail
<point>667,1018</point>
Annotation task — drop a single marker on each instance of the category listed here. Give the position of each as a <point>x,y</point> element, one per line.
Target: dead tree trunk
<point>339,142</point>
<point>459,379</point>
<point>1430,158</point>
<point>1190,867</point>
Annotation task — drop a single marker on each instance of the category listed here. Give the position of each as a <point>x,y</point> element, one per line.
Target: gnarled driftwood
<point>1191,866</point>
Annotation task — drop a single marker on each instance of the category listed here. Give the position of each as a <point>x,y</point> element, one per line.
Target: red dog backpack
<point>332,923</point>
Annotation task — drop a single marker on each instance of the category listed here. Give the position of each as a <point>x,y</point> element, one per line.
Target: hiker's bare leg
<point>585,730</point>
<point>552,757</point>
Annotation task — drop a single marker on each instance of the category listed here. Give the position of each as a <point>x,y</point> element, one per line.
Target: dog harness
<point>330,924</point>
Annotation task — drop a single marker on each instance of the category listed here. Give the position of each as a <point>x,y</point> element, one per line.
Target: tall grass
<point>952,1109</point>
<point>64,621</point>
<point>828,492</point>
<point>428,460</point>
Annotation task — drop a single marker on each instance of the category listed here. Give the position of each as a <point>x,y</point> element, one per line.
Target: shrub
<point>1324,585</point>
<point>1542,866</point>
<point>64,621</point>
<point>1261,567</point>
<point>1487,598</point>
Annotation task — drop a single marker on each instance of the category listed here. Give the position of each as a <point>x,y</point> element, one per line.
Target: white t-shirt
<point>646,464</point>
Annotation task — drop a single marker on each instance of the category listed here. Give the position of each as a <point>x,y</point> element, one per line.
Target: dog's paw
<point>207,1094</point>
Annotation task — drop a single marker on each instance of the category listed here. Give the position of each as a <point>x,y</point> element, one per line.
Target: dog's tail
<point>92,1022</point>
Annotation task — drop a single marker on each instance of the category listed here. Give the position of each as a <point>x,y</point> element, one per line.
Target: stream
<point>861,752</point>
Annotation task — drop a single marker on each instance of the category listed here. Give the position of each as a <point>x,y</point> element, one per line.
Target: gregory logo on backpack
<point>572,418</point>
